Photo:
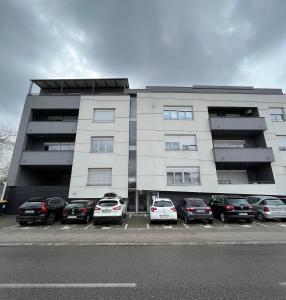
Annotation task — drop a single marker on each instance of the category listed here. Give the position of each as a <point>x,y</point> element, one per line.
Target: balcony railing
<point>47,158</point>
<point>52,127</point>
<point>237,123</point>
<point>225,181</point>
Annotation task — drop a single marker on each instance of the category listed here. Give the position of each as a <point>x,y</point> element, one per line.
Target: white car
<point>110,209</point>
<point>163,209</point>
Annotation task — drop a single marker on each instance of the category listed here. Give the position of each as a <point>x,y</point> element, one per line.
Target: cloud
<point>151,42</point>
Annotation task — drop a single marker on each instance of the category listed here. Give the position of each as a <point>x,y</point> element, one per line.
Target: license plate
<point>200,211</point>
<point>29,211</point>
<point>243,214</point>
<point>72,217</point>
<point>106,210</point>
<point>164,216</point>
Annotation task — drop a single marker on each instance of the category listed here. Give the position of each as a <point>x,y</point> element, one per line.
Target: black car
<point>191,209</point>
<point>79,211</point>
<point>41,210</point>
<point>228,208</point>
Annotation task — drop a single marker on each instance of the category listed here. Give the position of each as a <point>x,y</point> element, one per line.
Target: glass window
<point>273,202</point>
<point>167,115</point>
<point>174,115</point>
<point>101,144</point>
<point>58,146</point>
<point>237,202</point>
<point>163,203</point>
<point>99,177</point>
<point>180,142</point>
<point>277,114</point>
<point>183,176</point>
<point>107,203</point>
<point>103,115</point>
<point>282,142</point>
<point>178,113</point>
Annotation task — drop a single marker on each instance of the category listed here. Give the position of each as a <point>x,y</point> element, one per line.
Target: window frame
<point>274,116</point>
<point>180,144</point>
<point>98,139</point>
<point>103,110</point>
<point>99,184</point>
<point>173,111</point>
<point>185,172</point>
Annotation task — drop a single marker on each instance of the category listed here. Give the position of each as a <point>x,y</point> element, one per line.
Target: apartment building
<point>82,138</point>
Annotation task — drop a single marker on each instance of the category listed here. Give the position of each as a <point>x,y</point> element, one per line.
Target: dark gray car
<point>191,209</point>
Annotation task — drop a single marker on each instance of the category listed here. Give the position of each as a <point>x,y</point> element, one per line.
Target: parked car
<point>228,208</point>
<point>268,207</point>
<point>110,208</point>
<point>163,209</point>
<point>283,200</point>
<point>41,210</point>
<point>79,211</point>
<point>191,209</point>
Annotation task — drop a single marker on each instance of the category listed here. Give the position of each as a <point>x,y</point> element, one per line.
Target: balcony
<point>243,155</point>
<point>51,127</point>
<point>47,158</point>
<point>234,124</point>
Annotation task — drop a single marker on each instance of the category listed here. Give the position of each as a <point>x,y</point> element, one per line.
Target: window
<point>180,142</point>
<point>183,176</point>
<point>58,146</point>
<point>282,142</point>
<point>277,114</point>
<point>229,143</point>
<point>232,177</point>
<point>178,113</point>
<point>103,115</point>
<point>101,144</point>
<point>99,177</point>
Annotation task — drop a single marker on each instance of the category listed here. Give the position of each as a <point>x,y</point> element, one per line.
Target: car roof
<point>264,197</point>
<point>37,199</point>
<point>110,198</point>
<point>162,199</point>
<point>191,199</point>
<point>79,200</point>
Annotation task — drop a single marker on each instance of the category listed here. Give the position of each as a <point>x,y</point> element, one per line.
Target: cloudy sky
<point>152,42</point>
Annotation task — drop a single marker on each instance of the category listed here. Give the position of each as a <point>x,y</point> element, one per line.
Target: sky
<point>151,42</point>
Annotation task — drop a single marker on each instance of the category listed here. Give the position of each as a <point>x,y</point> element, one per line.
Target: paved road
<point>162,272</point>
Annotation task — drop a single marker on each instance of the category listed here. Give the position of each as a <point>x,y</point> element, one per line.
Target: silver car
<point>267,207</point>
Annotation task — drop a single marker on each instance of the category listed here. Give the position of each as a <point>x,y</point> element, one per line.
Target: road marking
<point>282,283</point>
<point>130,216</point>
<point>226,226</point>
<point>88,226</point>
<point>167,226</point>
<point>65,285</point>
<point>126,225</point>
<point>105,227</point>
<point>68,227</point>
<point>244,225</point>
<point>207,226</point>
<point>283,225</point>
<point>46,227</point>
<point>147,225</point>
<point>257,223</point>
<point>10,227</point>
<point>186,226</point>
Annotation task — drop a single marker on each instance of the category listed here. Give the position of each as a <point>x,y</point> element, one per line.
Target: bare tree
<point>7,141</point>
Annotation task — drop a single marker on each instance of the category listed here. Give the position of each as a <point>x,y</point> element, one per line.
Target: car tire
<point>22,223</point>
<point>51,219</point>
<point>86,221</point>
<point>175,222</point>
<point>260,217</point>
<point>210,221</point>
<point>152,222</point>
<point>186,219</point>
<point>223,217</point>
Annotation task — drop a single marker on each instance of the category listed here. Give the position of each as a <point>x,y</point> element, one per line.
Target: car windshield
<point>32,204</point>
<point>76,204</point>
<point>163,203</point>
<point>237,202</point>
<point>106,203</point>
<point>274,202</point>
<point>196,203</point>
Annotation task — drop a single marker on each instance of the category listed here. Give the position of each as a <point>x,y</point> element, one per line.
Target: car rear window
<point>76,204</point>
<point>32,204</point>
<point>273,202</point>
<point>237,201</point>
<point>163,203</point>
<point>107,203</point>
<point>196,203</point>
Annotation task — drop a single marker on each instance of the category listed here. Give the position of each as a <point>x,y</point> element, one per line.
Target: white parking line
<point>186,226</point>
<point>244,225</point>
<point>69,227</point>
<point>282,283</point>
<point>226,226</point>
<point>65,285</point>
<point>167,226</point>
<point>10,227</point>
<point>130,216</point>
<point>126,225</point>
<point>207,226</point>
<point>283,225</point>
<point>47,227</point>
<point>105,227</point>
<point>147,225</point>
<point>88,226</point>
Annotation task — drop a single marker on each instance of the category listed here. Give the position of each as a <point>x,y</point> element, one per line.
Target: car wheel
<point>22,223</point>
<point>175,222</point>
<point>187,221</point>
<point>86,221</point>
<point>51,219</point>
<point>210,221</point>
<point>260,217</point>
<point>152,222</point>
<point>223,217</point>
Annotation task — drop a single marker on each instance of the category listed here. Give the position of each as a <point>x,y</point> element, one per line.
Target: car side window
<point>121,201</point>
<point>262,202</point>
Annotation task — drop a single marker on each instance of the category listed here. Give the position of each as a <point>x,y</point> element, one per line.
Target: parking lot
<point>141,222</point>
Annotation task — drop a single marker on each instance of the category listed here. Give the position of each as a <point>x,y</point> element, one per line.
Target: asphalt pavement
<point>137,272</point>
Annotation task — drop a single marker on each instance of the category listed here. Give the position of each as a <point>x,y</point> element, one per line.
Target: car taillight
<point>117,207</point>
<point>65,212</point>
<point>189,209</point>
<point>229,207</point>
<point>207,210</point>
<point>97,208</point>
<point>250,207</point>
<point>173,209</point>
<point>44,207</point>
<point>153,209</point>
<point>266,209</point>
<point>83,210</point>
